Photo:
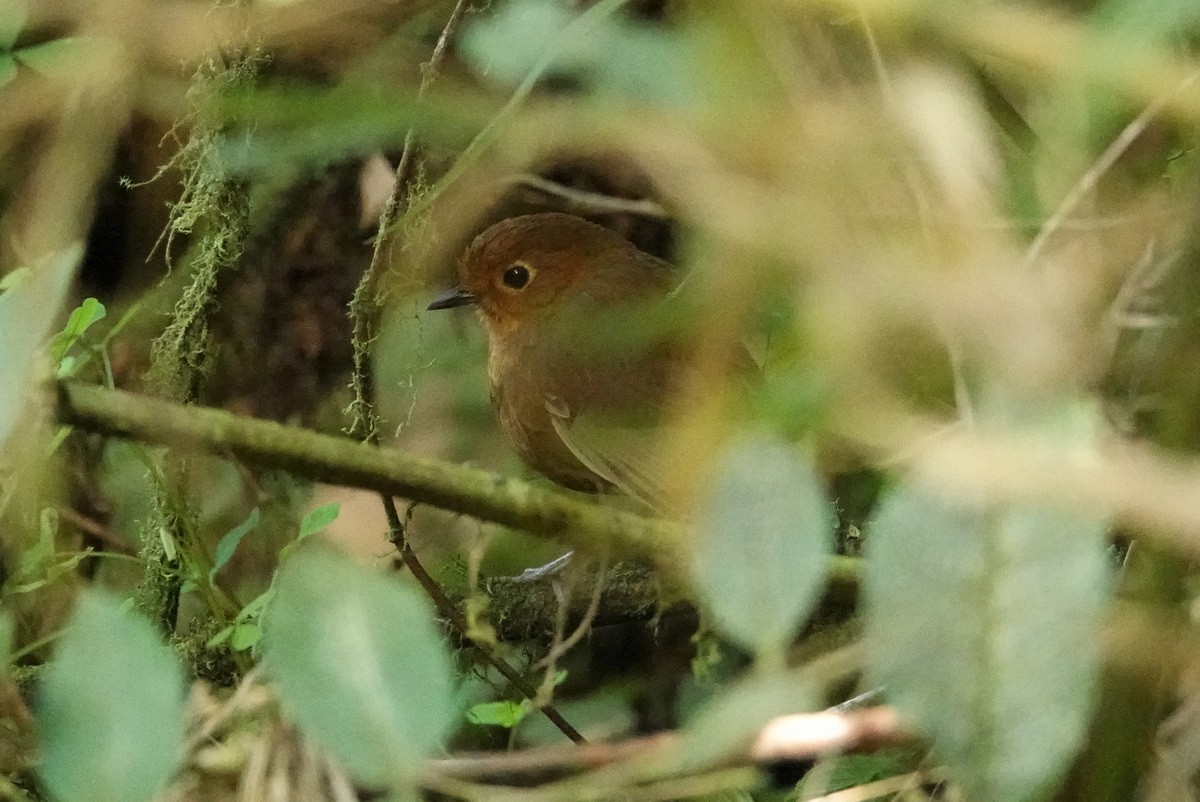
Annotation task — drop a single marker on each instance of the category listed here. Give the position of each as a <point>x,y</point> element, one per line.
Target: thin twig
<point>580,200</point>
<point>1087,182</point>
<point>874,790</point>
<point>800,737</point>
<point>96,530</point>
<point>455,616</point>
<point>562,646</point>
<point>364,310</point>
<point>364,306</point>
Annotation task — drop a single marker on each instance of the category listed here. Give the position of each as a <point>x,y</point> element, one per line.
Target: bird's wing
<point>621,452</point>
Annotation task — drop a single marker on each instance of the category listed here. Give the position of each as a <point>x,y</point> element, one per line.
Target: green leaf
<point>66,57</point>
<point>223,634</point>
<point>7,628</point>
<point>318,519</point>
<point>525,37</point>
<point>983,623</point>
<point>359,664</point>
<point>110,712</point>
<point>81,319</point>
<point>12,19</point>
<point>8,71</point>
<point>725,726</point>
<point>27,312</point>
<point>763,544</point>
<point>244,636</point>
<point>230,541</point>
<point>15,278</point>
<point>505,714</point>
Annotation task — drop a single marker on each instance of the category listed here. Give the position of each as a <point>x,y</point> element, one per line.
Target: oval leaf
<point>983,624</point>
<point>110,712</point>
<point>318,519</point>
<point>359,664</point>
<point>764,543</point>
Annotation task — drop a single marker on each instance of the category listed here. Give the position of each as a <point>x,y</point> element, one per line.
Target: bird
<point>580,375</point>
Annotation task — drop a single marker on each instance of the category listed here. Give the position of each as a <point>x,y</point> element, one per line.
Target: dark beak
<point>451,298</point>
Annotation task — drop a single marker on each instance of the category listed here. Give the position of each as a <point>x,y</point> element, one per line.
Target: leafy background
<point>957,239</point>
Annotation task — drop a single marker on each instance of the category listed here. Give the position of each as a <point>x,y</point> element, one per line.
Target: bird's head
<point>516,270</point>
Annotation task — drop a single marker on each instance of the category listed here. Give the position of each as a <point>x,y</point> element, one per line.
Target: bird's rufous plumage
<point>578,395</point>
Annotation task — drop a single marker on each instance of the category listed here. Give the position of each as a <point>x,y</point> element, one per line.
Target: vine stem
<point>364,311</point>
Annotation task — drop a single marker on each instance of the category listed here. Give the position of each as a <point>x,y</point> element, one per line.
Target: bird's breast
<point>520,385</point>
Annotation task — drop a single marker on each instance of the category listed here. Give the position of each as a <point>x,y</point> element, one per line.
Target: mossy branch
<point>573,521</point>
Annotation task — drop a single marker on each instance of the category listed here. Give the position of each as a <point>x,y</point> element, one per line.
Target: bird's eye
<point>517,276</point>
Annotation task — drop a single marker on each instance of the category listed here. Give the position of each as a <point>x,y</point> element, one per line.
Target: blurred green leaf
<point>505,714</point>
<point>14,278</point>
<point>294,124</point>
<point>8,69</point>
<point>616,54</point>
<point>726,726</point>
<point>230,540</point>
<point>318,519</point>
<point>66,57</point>
<point>27,312</point>
<point>763,543</point>
<point>359,664</point>
<point>852,770</point>
<point>6,640</point>
<point>110,712</point>
<point>12,19</point>
<point>1147,20</point>
<point>983,623</point>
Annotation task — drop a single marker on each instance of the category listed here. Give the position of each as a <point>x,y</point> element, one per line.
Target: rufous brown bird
<point>577,391</point>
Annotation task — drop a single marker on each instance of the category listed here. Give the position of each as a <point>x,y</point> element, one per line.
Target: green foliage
<point>28,308</point>
<point>507,714</point>
<point>229,542</point>
<point>56,58</point>
<point>244,632</point>
<point>982,621</point>
<point>319,518</point>
<point>110,712</point>
<point>40,564</point>
<point>763,545</point>
<point>616,55</point>
<point>359,665</point>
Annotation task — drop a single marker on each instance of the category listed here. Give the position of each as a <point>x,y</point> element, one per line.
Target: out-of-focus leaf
<point>359,664</point>
<point>230,540</point>
<point>297,125</point>
<point>12,20</point>
<point>505,714</point>
<point>727,725</point>
<point>68,57</point>
<point>6,640</point>
<point>27,312</point>
<point>763,543</point>
<point>14,278</point>
<point>613,54</point>
<point>983,624</point>
<point>1147,20</point>
<point>8,69</point>
<point>110,712</point>
<point>318,519</point>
